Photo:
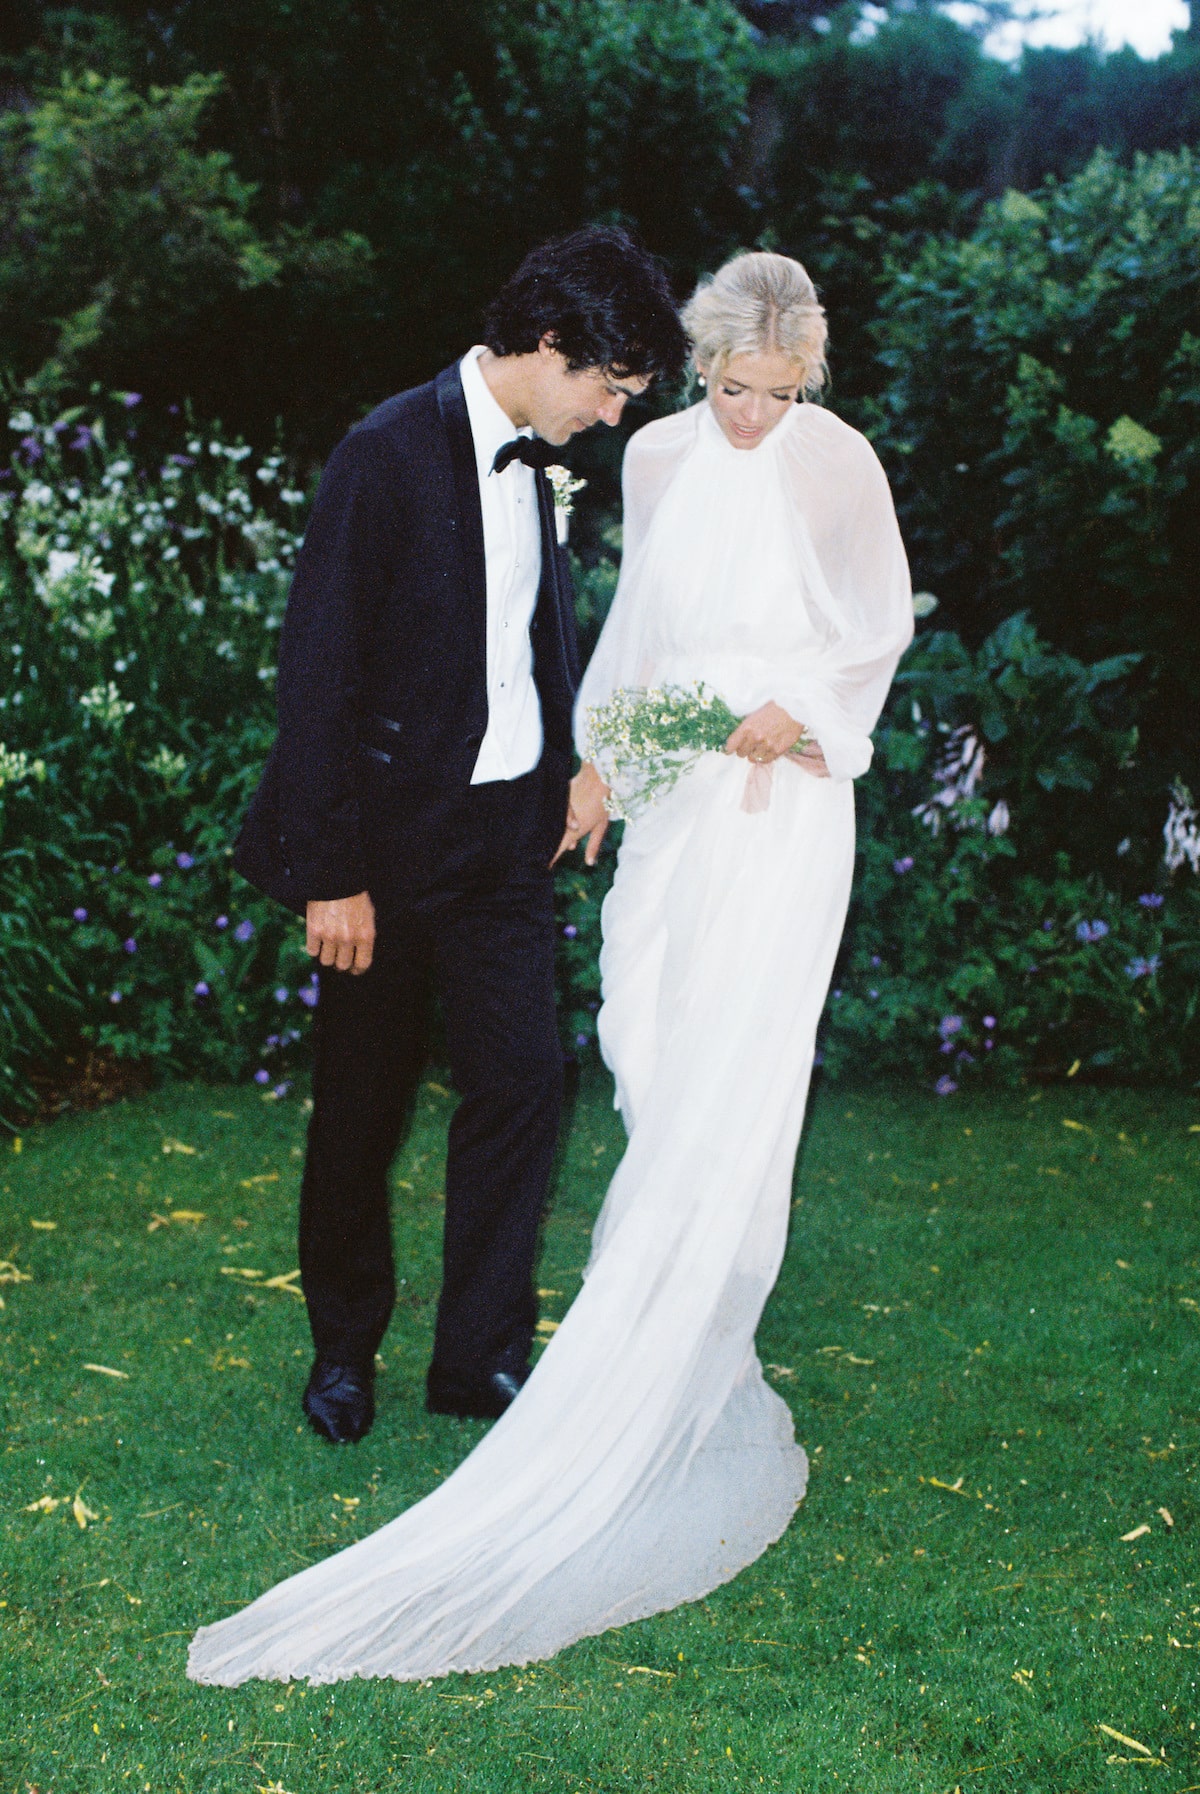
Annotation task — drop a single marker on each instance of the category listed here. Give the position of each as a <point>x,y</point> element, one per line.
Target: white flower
<point>1181,830</point>
<point>60,564</point>
<point>21,420</point>
<point>166,766</point>
<point>38,493</point>
<point>17,765</point>
<point>997,822</point>
<point>105,703</point>
<point>958,772</point>
<point>564,485</point>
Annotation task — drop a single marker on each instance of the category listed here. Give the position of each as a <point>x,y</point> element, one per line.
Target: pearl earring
<point>702,380</point>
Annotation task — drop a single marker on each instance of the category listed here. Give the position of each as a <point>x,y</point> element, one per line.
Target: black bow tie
<point>530,449</point>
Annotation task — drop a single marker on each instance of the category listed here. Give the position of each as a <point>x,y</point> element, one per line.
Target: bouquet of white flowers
<point>646,738</point>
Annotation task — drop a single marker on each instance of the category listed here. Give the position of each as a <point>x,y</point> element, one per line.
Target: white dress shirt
<point>512,546</point>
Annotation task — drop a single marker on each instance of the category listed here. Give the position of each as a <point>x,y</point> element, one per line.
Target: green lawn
<point>988,1328</point>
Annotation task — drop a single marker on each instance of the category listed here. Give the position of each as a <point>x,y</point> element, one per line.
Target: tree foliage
<point>324,223</point>
<point>1056,466</point>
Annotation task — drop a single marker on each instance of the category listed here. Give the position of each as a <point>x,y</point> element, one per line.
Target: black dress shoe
<point>340,1400</point>
<point>482,1398</point>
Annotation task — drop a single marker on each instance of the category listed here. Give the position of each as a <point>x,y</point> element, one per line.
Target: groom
<point>415,794</point>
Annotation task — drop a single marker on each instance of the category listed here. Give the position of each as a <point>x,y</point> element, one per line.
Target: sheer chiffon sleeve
<point>850,571</point>
<point>856,571</point>
<point>653,457</point>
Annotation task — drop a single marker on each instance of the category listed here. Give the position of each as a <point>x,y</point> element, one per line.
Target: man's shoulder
<point>396,420</point>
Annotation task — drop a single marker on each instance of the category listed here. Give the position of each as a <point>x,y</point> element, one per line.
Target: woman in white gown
<point>646,1460</point>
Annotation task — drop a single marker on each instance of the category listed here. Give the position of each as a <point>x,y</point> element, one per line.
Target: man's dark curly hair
<point>604,300</point>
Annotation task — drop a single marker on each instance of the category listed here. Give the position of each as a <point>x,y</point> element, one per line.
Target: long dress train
<point>646,1460</point>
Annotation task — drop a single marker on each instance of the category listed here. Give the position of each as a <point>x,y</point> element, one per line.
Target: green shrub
<point>141,606</point>
<point>1039,421</point>
<point>1010,860</point>
<point>1001,925</point>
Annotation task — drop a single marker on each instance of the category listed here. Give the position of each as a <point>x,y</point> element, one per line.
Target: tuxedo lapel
<point>555,597</point>
<point>468,525</point>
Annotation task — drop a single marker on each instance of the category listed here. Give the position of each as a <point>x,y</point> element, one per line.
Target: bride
<point>646,1460</point>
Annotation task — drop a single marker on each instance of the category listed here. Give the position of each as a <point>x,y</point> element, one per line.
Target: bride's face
<point>753,395</point>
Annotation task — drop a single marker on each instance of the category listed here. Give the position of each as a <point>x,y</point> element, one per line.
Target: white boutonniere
<point>564,485</point>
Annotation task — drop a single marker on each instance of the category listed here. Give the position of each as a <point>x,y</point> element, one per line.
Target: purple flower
<point>875,960</point>
<point>582,1040</point>
<point>184,861</point>
<point>281,1090</point>
<point>872,994</point>
<point>244,930</point>
<point>221,922</point>
<point>836,995</point>
<point>1151,899</point>
<point>131,945</point>
<point>271,1042</point>
<point>989,1021</point>
<point>200,990</point>
<point>1142,968</point>
<point>130,399</point>
<point>1091,931</point>
<point>262,1075</point>
<point>1047,926</point>
<point>988,1045</point>
<point>114,996</point>
<point>308,994</point>
<point>904,864</point>
<point>949,1025</point>
<point>80,915</point>
<point>945,1086</point>
<point>82,439</point>
<point>570,931</point>
<point>154,880</point>
<point>182,460</point>
<point>947,1046</point>
<point>281,993</point>
<point>32,447</point>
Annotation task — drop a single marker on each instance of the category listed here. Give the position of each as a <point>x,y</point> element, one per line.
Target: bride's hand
<point>765,734</point>
<point>811,759</point>
<point>586,814</point>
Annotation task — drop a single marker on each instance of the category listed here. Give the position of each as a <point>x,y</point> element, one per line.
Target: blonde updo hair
<point>759,303</point>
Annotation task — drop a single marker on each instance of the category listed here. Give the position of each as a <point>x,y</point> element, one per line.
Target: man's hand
<point>765,735</point>
<point>586,814</point>
<point>341,932</point>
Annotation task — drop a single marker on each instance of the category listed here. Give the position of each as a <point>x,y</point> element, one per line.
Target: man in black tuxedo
<point>415,794</point>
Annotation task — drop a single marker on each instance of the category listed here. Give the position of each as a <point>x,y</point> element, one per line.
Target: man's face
<point>561,401</point>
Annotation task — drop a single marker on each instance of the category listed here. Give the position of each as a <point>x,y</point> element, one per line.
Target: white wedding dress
<point>646,1460</point>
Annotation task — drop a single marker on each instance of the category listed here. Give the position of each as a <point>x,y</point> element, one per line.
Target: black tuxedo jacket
<point>382,692</point>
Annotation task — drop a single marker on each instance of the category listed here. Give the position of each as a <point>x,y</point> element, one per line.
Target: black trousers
<point>481,934</point>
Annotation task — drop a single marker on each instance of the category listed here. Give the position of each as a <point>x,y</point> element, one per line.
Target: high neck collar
<point>711,430</point>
